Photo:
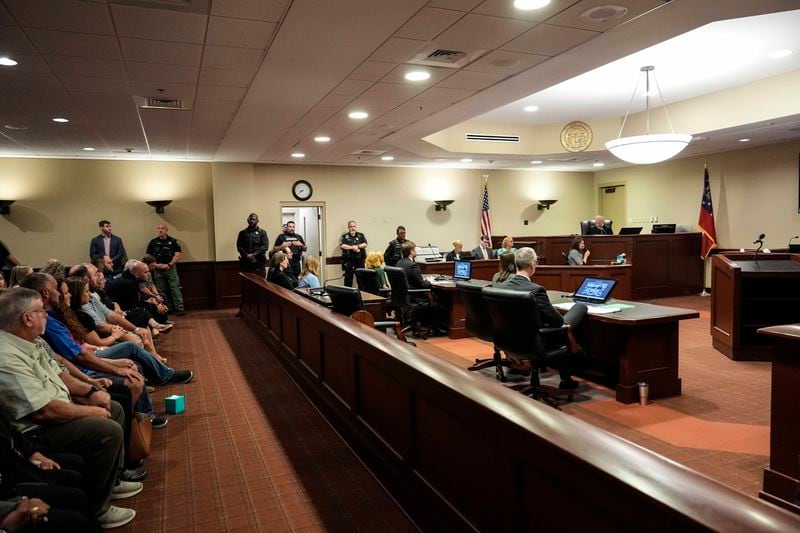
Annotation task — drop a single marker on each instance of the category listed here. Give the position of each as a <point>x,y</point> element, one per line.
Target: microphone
<point>759,239</point>
<point>790,240</point>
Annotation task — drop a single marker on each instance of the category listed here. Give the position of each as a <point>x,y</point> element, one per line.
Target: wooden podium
<point>749,294</point>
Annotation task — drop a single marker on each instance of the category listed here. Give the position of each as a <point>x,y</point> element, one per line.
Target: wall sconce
<point>441,205</point>
<point>159,205</point>
<point>5,207</point>
<point>545,204</point>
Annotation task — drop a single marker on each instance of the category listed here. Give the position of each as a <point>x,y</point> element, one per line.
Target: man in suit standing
<point>525,259</point>
<point>484,249</point>
<point>108,244</point>
<point>599,228</point>
<point>416,281</point>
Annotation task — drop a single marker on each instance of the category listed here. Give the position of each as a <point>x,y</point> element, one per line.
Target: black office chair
<point>367,280</point>
<point>403,298</point>
<point>347,301</point>
<point>565,257</point>
<point>479,324</point>
<point>586,224</point>
<point>518,332</point>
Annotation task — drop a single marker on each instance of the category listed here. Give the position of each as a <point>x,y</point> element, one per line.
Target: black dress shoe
<point>133,474</point>
<point>568,384</point>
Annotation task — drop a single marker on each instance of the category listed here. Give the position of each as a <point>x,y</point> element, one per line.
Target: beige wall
<point>59,202</point>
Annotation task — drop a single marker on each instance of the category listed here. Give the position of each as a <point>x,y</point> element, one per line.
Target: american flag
<point>486,215</point>
<point>706,221</point>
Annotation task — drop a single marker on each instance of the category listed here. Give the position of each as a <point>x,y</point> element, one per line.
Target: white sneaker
<point>126,489</point>
<point>115,517</point>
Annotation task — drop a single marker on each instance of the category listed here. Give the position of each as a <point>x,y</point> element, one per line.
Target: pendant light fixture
<point>648,148</point>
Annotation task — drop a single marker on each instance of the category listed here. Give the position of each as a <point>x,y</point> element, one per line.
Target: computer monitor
<point>594,290</point>
<point>663,228</point>
<point>794,248</point>
<point>630,230</point>
<point>462,270</point>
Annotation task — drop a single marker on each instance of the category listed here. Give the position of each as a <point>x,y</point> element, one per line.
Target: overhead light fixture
<point>5,206</point>
<point>7,62</point>
<point>466,160</point>
<point>598,164</point>
<point>527,5</point>
<point>159,205</point>
<point>358,115</point>
<point>88,149</point>
<point>387,158</point>
<point>61,120</point>
<point>545,204</point>
<point>441,205</point>
<point>777,54</point>
<point>417,75</point>
<point>648,148</point>
<point>15,128</point>
<point>322,139</point>
<point>537,162</point>
<point>530,108</point>
<point>298,155</point>
<point>745,140</point>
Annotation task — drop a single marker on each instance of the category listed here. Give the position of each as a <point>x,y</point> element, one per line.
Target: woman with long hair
<point>17,273</point>
<point>375,262</point>
<point>309,277</point>
<point>507,269</point>
<point>508,246</point>
<point>578,254</point>
<point>276,274</point>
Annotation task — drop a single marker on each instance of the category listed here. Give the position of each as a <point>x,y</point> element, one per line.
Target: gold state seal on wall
<point>576,136</point>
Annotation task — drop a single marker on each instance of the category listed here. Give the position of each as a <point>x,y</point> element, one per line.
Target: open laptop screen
<point>462,270</point>
<point>594,290</point>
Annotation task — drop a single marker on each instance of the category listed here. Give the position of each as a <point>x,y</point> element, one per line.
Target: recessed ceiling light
<point>417,75</point>
<point>15,128</point>
<point>440,160</point>
<point>88,149</point>
<point>466,160</point>
<point>530,108</point>
<point>358,115</point>
<point>536,162</point>
<point>322,138</point>
<point>745,140</point>
<point>7,61</point>
<point>599,164</point>
<point>527,5</point>
<point>60,120</point>
<point>387,158</point>
<point>777,54</point>
<point>298,155</point>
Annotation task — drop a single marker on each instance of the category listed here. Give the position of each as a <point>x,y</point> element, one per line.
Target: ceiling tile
<point>75,44</point>
<point>159,24</point>
<point>571,17</point>
<point>28,62</point>
<point>178,91</point>
<point>29,80</point>
<point>394,90</point>
<point>428,23</point>
<point>232,58</point>
<point>226,77</point>
<point>335,100</point>
<point>506,62</point>
<point>227,107</point>
<point>397,50</point>
<point>5,17</point>
<point>460,5</point>
<point>269,10</point>
<point>397,75</point>
<point>13,38</point>
<point>471,80</point>
<point>481,32</point>
<point>220,93</point>
<point>352,87</point>
<point>237,32</point>
<point>148,51</point>
<point>444,95</point>
<point>66,15</point>
<point>371,70</point>
<point>506,9</point>
<point>167,73</point>
<point>549,40</point>
<point>95,85</point>
<point>86,66</point>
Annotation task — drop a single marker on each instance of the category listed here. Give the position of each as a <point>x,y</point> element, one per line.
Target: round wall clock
<point>302,190</point>
<point>576,136</point>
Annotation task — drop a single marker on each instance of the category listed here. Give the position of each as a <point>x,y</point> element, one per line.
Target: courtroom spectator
<point>394,251</point>
<point>277,271</point>
<point>55,269</point>
<point>108,244</point>
<point>80,295</point>
<point>375,262</point>
<point>599,228</point>
<point>17,273</point>
<point>309,277</point>
<point>525,260</point>
<point>456,253</point>
<point>37,399</point>
<point>104,264</point>
<point>7,260</point>
<point>2,281</point>
<point>416,281</point>
<point>23,513</point>
<point>353,245</point>
<point>484,249</point>
<point>507,269</point>
<point>578,254</point>
<point>291,240</point>
<point>124,289</point>
<point>252,244</point>
<point>508,246</point>
<point>150,291</point>
<point>167,251</point>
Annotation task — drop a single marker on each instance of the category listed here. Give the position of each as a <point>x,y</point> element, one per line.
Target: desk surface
<point>640,313</point>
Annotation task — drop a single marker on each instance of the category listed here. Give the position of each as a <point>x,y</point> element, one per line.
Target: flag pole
<point>705,293</point>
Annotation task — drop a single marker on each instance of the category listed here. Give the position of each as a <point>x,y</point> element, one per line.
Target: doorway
<point>613,205</point>
<point>308,222</point>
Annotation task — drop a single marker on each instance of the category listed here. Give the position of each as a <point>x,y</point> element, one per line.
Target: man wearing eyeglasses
<point>484,249</point>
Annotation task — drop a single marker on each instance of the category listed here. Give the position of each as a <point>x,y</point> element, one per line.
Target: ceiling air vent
<point>492,138</point>
<point>162,103</point>
<point>434,56</point>
<point>368,152</point>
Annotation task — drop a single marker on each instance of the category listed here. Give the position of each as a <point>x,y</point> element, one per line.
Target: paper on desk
<point>595,309</point>
<point>565,306</point>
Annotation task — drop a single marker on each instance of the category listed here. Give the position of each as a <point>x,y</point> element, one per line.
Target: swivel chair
<point>479,324</point>
<point>517,330</point>
<point>403,298</point>
<point>347,301</point>
<point>586,224</point>
<point>367,280</point>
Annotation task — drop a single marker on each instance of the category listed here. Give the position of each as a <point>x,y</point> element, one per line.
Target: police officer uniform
<point>351,260</point>
<point>252,241</point>
<point>167,281</point>
<point>394,252</point>
<point>298,245</point>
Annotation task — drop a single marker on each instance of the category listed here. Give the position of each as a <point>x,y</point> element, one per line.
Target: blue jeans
<point>154,370</point>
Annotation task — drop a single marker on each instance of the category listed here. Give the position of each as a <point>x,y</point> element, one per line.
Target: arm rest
<point>418,291</point>
<point>564,329</point>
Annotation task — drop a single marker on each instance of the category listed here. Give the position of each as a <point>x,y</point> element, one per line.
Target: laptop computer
<point>663,228</point>
<point>630,230</point>
<point>594,290</point>
<point>462,270</point>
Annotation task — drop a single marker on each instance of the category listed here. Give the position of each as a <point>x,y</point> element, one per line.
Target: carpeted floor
<point>718,426</point>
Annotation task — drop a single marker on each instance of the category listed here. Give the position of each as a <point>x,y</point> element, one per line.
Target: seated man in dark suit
<point>525,260</point>
<point>484,249</point>
<point>416,281</point>
<point>599,227</point>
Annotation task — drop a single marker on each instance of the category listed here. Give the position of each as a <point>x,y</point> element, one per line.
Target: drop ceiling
<point>259,79</point>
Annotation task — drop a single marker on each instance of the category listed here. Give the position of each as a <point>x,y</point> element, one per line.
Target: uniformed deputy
<point>294,242</point>
<point>252,244</point>
<point>167,251</point>
<point>353,244</point>
<point>393,252</point>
